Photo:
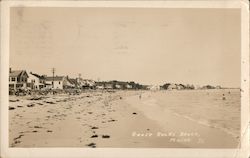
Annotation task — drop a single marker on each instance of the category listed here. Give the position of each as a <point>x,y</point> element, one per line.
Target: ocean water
<point>206,107</point>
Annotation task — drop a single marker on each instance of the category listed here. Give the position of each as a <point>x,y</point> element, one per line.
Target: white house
<point>57,82</point>
<point>35,81</point>
<point>100,86</point>
<point>128,86</point>
<point>117,86</point>
<point>154,87</point>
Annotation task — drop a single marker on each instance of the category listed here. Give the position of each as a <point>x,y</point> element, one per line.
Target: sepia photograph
<point>125,77</point>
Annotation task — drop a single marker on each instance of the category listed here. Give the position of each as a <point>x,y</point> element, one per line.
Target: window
<point>13,79</point>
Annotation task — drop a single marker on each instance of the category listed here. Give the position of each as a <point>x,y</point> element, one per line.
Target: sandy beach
<point>123,119</point>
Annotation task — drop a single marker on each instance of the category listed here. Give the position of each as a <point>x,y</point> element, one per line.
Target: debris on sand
<point>18,137</point>
<point>90,112</point>
<point>49,131</point>
<point>36,98</point>
<point>134,113</point>
<point>93,145</point>
<point>37,127</point>
<point>50,102</point>
<point>112,120</point>
<point>94,128</point>
<point>105,136</point>
<point>11,108</point>
<point>34,131</point>
<point>17,142</point>
<point>19,106</point>
<point>14,100</point>
<point>30,105</point>
<point>39,103</point>
<point>94,136</point>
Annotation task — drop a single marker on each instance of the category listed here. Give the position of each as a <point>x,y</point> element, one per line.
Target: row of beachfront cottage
<point>21,79</point>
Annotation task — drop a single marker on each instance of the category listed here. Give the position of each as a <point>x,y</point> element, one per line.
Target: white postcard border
<point>125,152</point>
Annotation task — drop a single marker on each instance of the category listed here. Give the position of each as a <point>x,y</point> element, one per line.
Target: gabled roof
<point>72,81</point>
<point>56,78</point>
<point>16,73</point>
<point>38,76</point>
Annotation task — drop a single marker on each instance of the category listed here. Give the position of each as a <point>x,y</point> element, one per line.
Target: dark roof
<point>72,81</point>
<point>56,78</point>
<point>16,73</point>
<point>38,76</point>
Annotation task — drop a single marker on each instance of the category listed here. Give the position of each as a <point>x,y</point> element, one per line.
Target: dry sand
<point>122,119</point>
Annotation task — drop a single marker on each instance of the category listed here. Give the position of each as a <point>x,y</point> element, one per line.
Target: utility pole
<point>79,79</point>
<point>53,71</point>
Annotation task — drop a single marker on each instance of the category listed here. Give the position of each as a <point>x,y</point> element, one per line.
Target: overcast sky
<point>151,46</point>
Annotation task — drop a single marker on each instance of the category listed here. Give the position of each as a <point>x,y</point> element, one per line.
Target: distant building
<point>128,86</point>
<point>108,86</point>
<point>197,87</point>
<point>208,87</point>
<point>172,87</point>
<point>100,85</point>
<point>55,82</point>
<point>58,82</point>
<point>17,79</point>
<point>153,87</point>
<point>86,83</point>
<point>73,82</point>
<point>165,86</point>
<point>180,86</point>
<point>118,86</point>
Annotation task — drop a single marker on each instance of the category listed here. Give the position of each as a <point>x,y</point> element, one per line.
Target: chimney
<point>10,70</point>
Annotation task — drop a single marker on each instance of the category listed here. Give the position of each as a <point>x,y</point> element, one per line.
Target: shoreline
<point>202,136</point>
<point>107,119</point>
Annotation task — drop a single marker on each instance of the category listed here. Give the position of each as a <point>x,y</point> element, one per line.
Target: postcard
<point>124,79</point>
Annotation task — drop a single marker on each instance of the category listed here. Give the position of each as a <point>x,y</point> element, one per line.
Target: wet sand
<point>118,119</point>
